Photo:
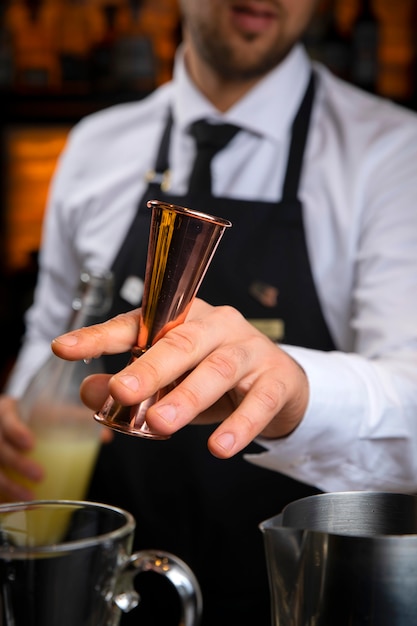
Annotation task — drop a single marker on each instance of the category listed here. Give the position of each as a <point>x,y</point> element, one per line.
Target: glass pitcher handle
<point>173,568</point>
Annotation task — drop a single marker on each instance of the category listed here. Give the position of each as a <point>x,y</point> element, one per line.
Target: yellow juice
<point>68,464</point>
<point>68,460</point>
<point>38,527</point>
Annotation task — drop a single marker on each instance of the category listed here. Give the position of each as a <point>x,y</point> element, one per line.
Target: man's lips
<point>252,17</point>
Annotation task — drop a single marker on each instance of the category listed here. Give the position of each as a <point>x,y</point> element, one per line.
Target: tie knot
<point>213,137</point>
<point>210,139</point>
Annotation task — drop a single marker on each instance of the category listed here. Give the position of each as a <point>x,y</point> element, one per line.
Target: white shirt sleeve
<point>359,430</point>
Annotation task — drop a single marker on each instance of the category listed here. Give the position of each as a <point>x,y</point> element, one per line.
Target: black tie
<point>210,139</point>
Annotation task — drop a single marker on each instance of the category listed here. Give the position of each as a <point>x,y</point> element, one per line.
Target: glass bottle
<point>67,436</point>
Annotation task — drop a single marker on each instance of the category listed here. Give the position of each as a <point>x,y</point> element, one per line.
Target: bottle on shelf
<point>365,47</point>
<point>134,56</point>
<point>33,28</point>
<point>67,436</point>
<point>79,28</point>
<point>102,52</point>
<point>161,21</point>
<point>137,48</point>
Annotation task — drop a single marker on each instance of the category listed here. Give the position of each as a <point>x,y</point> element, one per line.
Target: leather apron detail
<point>204,509</point>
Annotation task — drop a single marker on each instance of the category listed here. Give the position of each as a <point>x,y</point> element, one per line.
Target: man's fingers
<point>17,472</point>
<point>94,390</point>
<point>115,336</point>
<point>217,367</point>
<point>11,491</point>
<point>184,348</point>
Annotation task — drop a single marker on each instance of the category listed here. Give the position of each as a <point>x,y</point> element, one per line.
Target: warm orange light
<point>31,155</point>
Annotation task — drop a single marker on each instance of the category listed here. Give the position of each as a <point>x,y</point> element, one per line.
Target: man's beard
<point>229,65</point>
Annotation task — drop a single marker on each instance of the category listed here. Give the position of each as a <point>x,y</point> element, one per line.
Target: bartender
<point>318,180</point>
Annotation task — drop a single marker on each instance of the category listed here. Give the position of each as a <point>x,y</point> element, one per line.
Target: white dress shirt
<point>359,195</point>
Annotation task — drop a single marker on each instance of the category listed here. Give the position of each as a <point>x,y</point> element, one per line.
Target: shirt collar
<point>267,110</point>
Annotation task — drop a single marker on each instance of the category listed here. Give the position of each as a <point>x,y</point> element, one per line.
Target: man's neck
<point>222,93</point>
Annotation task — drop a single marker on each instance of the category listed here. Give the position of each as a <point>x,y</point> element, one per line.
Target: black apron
<point>203,509</point>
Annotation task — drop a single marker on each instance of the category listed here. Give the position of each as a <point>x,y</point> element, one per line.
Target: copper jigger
<point>182,243</point>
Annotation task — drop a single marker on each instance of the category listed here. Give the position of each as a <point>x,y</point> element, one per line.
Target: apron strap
<point>299,132</point>
<point>161,163</point>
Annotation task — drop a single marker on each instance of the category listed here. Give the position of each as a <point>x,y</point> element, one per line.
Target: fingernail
<point>66,340</point>
<point>129,381</point>
<point>168,412</point>
<point>226,441</point>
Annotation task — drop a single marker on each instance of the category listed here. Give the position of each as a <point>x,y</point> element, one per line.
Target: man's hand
<point>226,371</point>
